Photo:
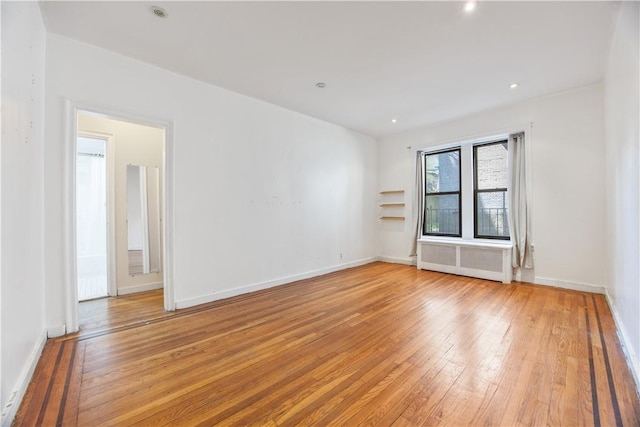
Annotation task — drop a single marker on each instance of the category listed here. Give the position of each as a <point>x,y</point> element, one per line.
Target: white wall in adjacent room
<point>261,193</point>
<point>622,108</point>
<point>22,153</point>
<point>567,158</point>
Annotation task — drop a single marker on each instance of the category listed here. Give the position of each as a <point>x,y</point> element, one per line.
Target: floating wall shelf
<point>392,204</point>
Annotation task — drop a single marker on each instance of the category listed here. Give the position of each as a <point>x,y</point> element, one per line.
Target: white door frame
<point>112,289</point>
<point>69,204</point>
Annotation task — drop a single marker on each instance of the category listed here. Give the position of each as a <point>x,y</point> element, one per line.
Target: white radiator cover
<point>484,260</point>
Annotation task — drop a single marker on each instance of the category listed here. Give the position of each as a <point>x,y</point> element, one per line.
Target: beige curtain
<point>418,202</point>
<point>519,206</point>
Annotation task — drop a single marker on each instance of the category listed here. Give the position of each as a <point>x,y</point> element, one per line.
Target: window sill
<point>459,241</point>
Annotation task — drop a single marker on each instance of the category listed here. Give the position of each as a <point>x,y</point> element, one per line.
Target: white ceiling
<point>419,62</point>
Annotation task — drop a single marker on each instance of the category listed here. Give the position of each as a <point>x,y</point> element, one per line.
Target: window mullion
<point>466,187</point>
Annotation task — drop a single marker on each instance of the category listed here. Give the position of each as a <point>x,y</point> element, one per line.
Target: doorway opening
<point>118,212</point>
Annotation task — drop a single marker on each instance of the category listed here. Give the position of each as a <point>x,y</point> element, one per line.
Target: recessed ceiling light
<point>320,85</point>
<point>394,120</point>
<point>159,12</point>
<point>514,85</point>
<point>470,6</point>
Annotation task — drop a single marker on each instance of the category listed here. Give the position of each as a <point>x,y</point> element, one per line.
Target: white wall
<point>261,193</point>
<point>622,108</point>
<point>134,145</point>
<point>22,151</point>
<point>567,172</point>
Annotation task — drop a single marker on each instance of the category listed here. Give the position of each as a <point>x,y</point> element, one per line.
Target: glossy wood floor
<point>110,314</point>
<point>380,345</point>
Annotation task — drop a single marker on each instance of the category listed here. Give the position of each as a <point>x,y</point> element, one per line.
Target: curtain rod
<point>91,154</point>
<point>506,130</point>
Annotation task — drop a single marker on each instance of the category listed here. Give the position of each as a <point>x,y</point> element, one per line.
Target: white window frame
<point>466,185</point>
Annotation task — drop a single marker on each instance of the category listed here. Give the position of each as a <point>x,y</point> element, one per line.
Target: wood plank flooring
<point>108,314</point>
<point>381,344</point>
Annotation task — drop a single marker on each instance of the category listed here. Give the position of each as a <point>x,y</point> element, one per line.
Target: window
<point>490,167</point>
<point>442,194</point>
<point>465,189</point>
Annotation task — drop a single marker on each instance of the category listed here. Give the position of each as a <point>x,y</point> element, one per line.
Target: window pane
<point>442,215</point>
<point>492,216</point>
<point>491,161</point>
<point>443,172</point>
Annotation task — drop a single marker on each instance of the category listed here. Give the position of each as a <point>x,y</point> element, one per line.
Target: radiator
<point>484,260</point>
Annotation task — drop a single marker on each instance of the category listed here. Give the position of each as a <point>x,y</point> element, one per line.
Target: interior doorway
<point>118,202</point>
<point>126,178</point>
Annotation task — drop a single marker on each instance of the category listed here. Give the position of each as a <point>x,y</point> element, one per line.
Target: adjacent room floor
<point>380,344</point>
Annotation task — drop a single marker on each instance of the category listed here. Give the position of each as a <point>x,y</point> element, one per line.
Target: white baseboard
<point>11,408</point>
<point>190,302</point>
<point>140,288</point>
<point>565,284</point>
<point>56,331</point>
<point>630,352</point>
<point>398,260</point>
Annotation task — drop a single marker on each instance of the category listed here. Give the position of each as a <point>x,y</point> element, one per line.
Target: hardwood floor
<point>108,314</point>
<point>380,344</point>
